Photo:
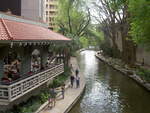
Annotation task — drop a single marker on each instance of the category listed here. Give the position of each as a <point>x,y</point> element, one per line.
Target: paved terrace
<point>71,96</point>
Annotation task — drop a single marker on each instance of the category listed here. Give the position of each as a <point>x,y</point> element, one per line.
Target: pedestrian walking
<point>72,80</point>
<point>71,67</point>
<point>50,102</point>
<point>52,97</point>
<point>77,72</point>
<point>63,91</point>
<point>77,81</point>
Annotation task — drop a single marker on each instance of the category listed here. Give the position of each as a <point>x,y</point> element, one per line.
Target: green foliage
<point>30,106</point>
<point>144,73</point>
<point>140,21</point>
<point>107,50</point>
<point>58,81</point>
<point>93,37</point>
<point>84,41</point>
<point>72,20</point>
<point>30,109</point>
<point>44,96</point>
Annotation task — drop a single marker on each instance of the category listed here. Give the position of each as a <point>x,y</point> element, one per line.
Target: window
<point>51,12</point>
<point>51,19</point>
<point>46,5</point>
<point>46,12</point>
<point>51,6</point>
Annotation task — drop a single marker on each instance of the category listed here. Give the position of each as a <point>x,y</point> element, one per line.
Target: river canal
<point>109,91</point>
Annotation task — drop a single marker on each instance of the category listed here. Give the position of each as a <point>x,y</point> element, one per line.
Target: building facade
<point>50,12</point>
<point>13,5</point>
<point>26,62</point>
<point>30,9</point>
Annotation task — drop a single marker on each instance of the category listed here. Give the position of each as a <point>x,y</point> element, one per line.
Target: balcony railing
<point>9,93</point>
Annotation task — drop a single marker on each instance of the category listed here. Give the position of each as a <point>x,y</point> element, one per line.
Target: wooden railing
<point>9,93</point>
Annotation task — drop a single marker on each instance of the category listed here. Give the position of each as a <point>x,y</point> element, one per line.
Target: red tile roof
<point>3,33</point>
<point>12,30</point>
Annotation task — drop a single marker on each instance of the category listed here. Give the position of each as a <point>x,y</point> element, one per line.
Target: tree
<point>94,36</point>
<point>109,16</point>
<point>114,16</point>
<point>140,21</point>
<point>72,18</point>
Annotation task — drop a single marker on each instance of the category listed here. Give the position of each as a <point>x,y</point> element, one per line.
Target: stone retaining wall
<point>126,72</point>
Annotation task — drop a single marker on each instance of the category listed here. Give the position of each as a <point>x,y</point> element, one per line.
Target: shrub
<point>144,73</point>
<point>31,105</point>
<point>44,96</point>
<point>59,80</point>
<point>105,46</point>
<point>30,109</point>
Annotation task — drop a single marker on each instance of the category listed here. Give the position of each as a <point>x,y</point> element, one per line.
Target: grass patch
<point>144,74</point>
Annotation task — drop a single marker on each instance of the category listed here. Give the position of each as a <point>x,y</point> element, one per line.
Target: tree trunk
<point>128,47</point>
<point>116,52</point>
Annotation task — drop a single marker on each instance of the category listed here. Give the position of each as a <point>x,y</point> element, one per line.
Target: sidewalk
<point>71,95</point>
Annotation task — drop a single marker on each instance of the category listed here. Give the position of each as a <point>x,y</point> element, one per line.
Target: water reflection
<point>108,91</point>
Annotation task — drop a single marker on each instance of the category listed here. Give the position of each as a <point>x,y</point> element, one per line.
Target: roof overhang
<point>18,32</point>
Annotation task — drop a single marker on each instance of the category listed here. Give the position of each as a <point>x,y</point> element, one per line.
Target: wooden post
<point>9,94</point>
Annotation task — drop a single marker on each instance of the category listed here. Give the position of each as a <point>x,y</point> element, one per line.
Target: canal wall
<point>129,73</point>
<point>142,55</point>
<point>72,95</point>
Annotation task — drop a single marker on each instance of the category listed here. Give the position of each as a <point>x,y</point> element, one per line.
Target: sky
<point>94,11</point>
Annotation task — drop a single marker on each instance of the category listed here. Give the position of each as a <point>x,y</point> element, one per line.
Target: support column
<point>44,55</point>
<point>26,60</point>
<point>4,53</point>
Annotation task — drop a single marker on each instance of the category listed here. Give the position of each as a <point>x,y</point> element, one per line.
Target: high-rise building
<point>11,5</point>
<point>50,12</point>
<point>31,9</point>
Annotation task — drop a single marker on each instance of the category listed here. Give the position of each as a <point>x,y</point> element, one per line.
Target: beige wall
<point>140,54</point>
<point>119,41</point>
<point>143,54</point>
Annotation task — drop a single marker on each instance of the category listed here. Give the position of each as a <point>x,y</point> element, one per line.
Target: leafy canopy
<point>72,18</point>
<point>140,21</point>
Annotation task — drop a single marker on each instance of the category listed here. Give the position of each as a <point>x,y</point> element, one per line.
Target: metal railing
<point>9,93</point>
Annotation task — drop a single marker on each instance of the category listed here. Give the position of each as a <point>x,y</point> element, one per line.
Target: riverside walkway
<point>71,95</point>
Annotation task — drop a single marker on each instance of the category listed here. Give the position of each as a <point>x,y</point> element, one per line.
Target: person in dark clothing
<point>72,80</point>
<point>63,91</point>
<point>77,81</point>
<point>143,62</point>
<point>77,72</point>
<point>52,97</point>
<point>6,78</point>
<point>42,68</point>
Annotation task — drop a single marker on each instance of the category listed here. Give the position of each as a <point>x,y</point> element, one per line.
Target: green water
<point>108,91</point>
